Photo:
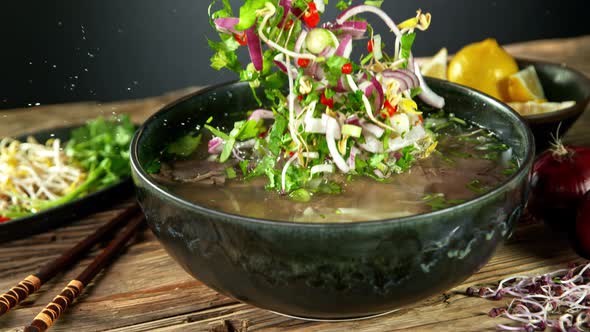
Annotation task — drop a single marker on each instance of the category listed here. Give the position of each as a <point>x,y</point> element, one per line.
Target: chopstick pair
<point>33,282</point>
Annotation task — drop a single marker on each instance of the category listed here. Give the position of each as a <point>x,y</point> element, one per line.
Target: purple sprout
<point>558,300</point>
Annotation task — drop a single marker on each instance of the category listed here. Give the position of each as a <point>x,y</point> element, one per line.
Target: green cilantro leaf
<point>185,145</point>
<point>248,14</point>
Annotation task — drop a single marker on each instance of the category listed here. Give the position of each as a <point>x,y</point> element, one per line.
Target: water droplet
<point>54,66</point>
<point>90,55</point>
<point>135,82</point>
<point>51,135</point>
<point>86,69</point>
<point>37,104</point>
<point>59,23</point>
<point>30,62</point>
<point>128,89</point>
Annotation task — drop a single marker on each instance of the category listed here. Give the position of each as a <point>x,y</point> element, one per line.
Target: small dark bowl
<point>560,83</point>
<point>330,270</point>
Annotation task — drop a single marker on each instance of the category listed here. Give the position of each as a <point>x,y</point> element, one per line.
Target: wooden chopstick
<point>59,304</point>
<point>33,282</point>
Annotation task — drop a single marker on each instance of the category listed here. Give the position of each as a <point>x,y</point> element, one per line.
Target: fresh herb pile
<point>96,156</point>
<point>340,116</point>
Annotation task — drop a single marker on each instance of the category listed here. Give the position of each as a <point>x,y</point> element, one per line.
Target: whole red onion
<point>560,178</point>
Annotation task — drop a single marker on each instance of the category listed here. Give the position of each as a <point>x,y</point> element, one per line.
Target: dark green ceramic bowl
<point>560,83</point>
<point>329,271</point>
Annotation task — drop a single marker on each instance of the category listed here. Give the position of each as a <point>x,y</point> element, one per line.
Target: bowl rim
<point>559,115</point>
<point>140,172</point>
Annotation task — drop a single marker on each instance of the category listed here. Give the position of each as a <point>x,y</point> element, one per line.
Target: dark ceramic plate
<point>51,218</point>
<point>560,83</point>
<point>329,270</point>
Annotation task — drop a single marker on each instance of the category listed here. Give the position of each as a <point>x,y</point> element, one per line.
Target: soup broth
<point>468,162</point>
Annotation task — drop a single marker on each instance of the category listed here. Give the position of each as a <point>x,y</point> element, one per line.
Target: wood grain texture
<point>145,290</point>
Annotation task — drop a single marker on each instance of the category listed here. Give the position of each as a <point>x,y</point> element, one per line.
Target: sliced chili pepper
<point>300,97</point>
<point>347,68</point>
<point>390,108</point>
<point>370,46</point>
<point>3,219</point>
<point>327,101</point>
<point>288,24</point>
<point>420,118</point>
<point>303,63</point>
<point>311,17</point>
<point>241,38</point>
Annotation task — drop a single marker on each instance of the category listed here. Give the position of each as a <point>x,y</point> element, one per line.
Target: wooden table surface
<point>145,290</point>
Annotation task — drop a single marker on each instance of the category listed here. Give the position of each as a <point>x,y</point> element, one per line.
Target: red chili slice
<point>311,18</point>
<point>327,101</point>
<point>241,38</point>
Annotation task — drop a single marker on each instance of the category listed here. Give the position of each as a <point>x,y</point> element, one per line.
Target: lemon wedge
<point>536,107</point>
<point>437,66</point>
<point>484,66</point>
<point>525,86</point>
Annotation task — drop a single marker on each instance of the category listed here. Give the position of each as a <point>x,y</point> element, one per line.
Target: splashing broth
<point>469,161</point>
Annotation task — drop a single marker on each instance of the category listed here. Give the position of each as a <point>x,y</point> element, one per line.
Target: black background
<point>63,51</point>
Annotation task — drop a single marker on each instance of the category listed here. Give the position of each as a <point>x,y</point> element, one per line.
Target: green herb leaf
<point>406,46</point>
<point>276,134</point>
<point>300,195</point>
<point>227,148</point>
<point>217,132</point>
<point>248,14</point>
<point>231,173</point>
<point>374,3</point>
<point>185,145</point>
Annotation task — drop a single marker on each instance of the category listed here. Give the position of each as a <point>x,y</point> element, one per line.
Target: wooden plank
<point>145,290</point>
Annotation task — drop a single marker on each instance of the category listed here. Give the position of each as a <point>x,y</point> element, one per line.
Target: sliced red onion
<point>333,133</point>
<point>288,8</point>
<point>314,125</point>
<point>353,120</point>
<point>236,153</point>
<point>352,157</point>
<point>355,10</point>
<point>215,145</point>
<point>311,155</point>
<point>254,48</point>
<point>372,144</point>
<point>367,88</point>
<point>413,136</point>
<point>345,47</point>
<point>341,87</point>
<point>407,79</point>
<point>356,29</point>
<point>325,168</point>
<point>428,96</point>
<point>379,173</point>
<point>300,40</point>
<point>226,24</point>
<point>286,4</point>
<point>279,60</point>
<point>380,94</point>
<point>261,114</point>
<point>371,129</point>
